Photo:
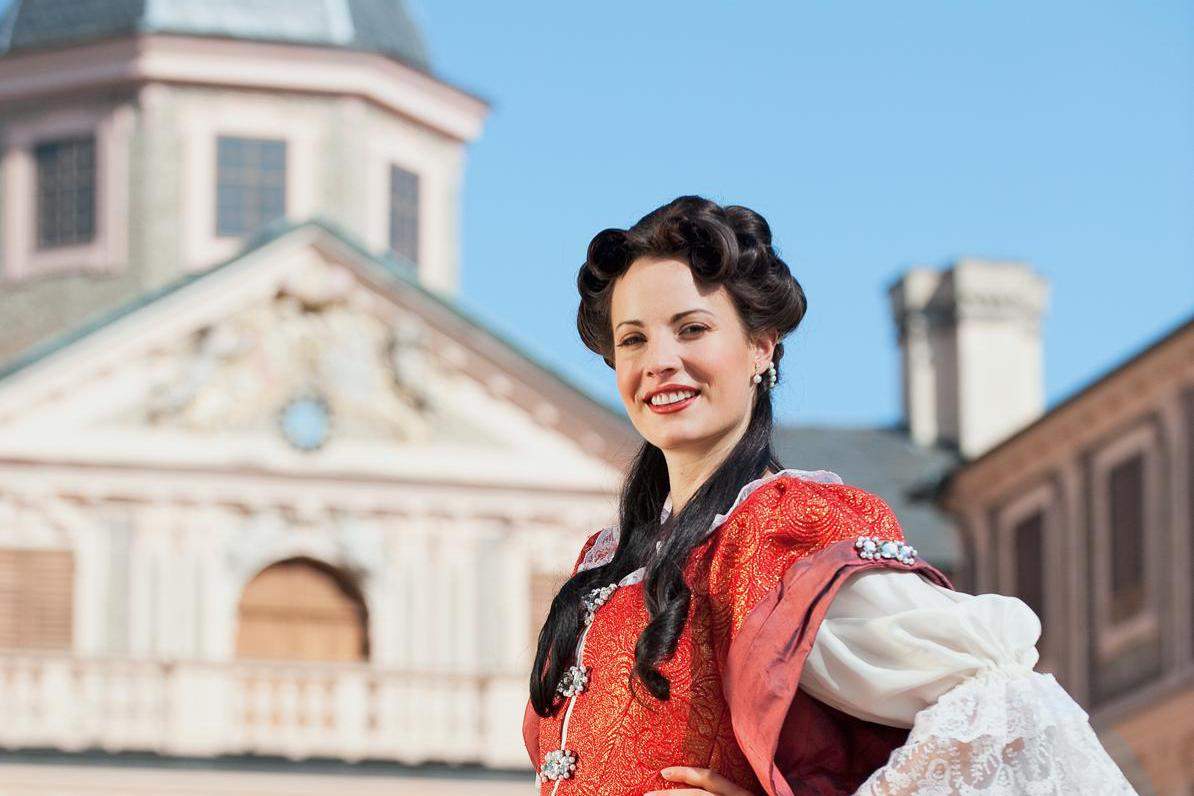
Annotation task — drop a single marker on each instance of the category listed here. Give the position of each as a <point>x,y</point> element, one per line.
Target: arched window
<point>300,609</point>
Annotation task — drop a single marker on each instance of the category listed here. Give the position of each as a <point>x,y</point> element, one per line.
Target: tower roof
<point>381,26</point>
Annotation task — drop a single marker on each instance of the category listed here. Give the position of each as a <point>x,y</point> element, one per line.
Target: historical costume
<point>820,656</point>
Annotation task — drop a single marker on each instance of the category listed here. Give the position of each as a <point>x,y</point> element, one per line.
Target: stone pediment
<point>302,353</point>
<point>319,358</point>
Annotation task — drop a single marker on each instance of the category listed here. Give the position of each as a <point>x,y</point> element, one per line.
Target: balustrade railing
<point>295,710</point>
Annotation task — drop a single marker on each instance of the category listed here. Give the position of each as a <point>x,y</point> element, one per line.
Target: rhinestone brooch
<point>873,547</point>
<point>558,764</point>
<point>595,599</point>
<point>573,681</point>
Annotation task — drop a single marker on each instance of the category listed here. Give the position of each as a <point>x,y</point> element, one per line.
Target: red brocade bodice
<point>761,584</point>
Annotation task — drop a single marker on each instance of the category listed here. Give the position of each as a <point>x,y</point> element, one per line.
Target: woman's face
<point>668,330</point>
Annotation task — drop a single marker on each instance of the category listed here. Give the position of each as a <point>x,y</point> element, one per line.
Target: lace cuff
<point>1000,732</point>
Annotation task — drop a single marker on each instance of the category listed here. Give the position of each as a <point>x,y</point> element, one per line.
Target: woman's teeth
<point>662,399</point>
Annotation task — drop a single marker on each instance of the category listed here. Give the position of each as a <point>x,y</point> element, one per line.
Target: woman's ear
<point>764,347</point>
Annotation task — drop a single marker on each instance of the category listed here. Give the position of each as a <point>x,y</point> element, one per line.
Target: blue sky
<point>873,136</point>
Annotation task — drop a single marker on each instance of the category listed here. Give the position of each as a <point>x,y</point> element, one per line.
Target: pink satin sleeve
<point>795,743</point>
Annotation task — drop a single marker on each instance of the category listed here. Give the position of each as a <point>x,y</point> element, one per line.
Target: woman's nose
<point>661,372</point>
<point>662,360</point>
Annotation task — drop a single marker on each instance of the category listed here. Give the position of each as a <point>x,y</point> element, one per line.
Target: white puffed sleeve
<point>957,669</point>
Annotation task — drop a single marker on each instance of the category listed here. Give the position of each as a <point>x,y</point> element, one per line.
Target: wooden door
<point>302,610</point>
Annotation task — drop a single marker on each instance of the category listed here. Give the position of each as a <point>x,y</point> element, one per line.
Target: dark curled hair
<point>730,246</point>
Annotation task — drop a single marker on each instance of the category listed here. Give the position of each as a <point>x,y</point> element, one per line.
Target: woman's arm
<point>957,669</point>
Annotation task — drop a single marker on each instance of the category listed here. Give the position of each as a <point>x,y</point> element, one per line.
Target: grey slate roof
<point>382,26</point>
<point>887,462</point>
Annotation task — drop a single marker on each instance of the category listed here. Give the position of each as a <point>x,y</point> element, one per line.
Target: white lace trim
<point>1008,730</point>
<point>606,544</point>
<point>602,550</point>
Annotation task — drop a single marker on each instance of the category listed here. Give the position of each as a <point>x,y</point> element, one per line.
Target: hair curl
<point>729,246</point>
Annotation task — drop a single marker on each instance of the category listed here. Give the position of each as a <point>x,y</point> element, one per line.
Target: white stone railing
<point>295,710</point>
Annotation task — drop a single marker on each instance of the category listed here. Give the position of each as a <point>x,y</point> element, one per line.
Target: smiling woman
<point>697,300</point>
<point>747,628</point>
<point>715,352</point>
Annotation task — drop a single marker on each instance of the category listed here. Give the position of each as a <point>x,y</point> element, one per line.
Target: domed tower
<point>144,140</point>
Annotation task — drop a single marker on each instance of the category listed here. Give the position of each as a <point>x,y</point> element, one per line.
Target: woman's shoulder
<point>789,518</point>
<point>807,510</point>
<point>843,511</point>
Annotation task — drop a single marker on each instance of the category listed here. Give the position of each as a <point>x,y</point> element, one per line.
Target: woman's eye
<point>634,339</point>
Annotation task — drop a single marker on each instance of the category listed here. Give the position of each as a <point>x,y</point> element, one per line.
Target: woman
<point>760,629</point>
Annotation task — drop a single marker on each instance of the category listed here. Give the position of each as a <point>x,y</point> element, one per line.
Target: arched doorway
<point>302,610</point>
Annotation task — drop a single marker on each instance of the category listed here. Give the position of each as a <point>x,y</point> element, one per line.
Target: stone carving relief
<point>321,359</point>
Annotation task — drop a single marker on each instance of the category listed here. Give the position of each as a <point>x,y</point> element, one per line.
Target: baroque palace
<point>278,515</point>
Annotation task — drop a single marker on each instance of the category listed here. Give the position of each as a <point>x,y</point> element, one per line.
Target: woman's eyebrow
<point>675,317</point>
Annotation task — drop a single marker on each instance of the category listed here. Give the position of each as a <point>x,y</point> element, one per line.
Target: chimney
<point>971,354</point>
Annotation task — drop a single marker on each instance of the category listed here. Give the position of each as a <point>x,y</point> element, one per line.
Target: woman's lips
<point>669,408</point>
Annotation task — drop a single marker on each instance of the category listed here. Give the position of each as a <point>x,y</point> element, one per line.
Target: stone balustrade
<point>294,710</point>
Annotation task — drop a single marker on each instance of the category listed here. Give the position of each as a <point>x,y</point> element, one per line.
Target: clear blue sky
<point>873,136</point>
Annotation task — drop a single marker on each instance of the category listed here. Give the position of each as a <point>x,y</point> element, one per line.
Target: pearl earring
<point>755,379</point>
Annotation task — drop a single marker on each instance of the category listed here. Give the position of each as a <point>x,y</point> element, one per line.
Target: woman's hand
<point>708,783</point>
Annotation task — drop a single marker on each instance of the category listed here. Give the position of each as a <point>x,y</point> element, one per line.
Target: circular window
<point>306,422</point>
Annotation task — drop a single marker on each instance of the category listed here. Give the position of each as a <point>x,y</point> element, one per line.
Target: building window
<point>1127,538</point>
<point>250,184</point>
<point>65,191</point>
<point>404,213</point>
<point>36,598</point>
<point>1028,538</point>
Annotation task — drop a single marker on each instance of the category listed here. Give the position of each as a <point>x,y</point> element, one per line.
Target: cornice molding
<point>236,64</point>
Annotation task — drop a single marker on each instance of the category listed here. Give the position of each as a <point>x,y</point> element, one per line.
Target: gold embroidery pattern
<point>621,734</point>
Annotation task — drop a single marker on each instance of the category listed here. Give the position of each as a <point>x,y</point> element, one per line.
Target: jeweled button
<point>871,547</point>
<point>573,681</point>
<point>558,764</point>
<point>597,597</point>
